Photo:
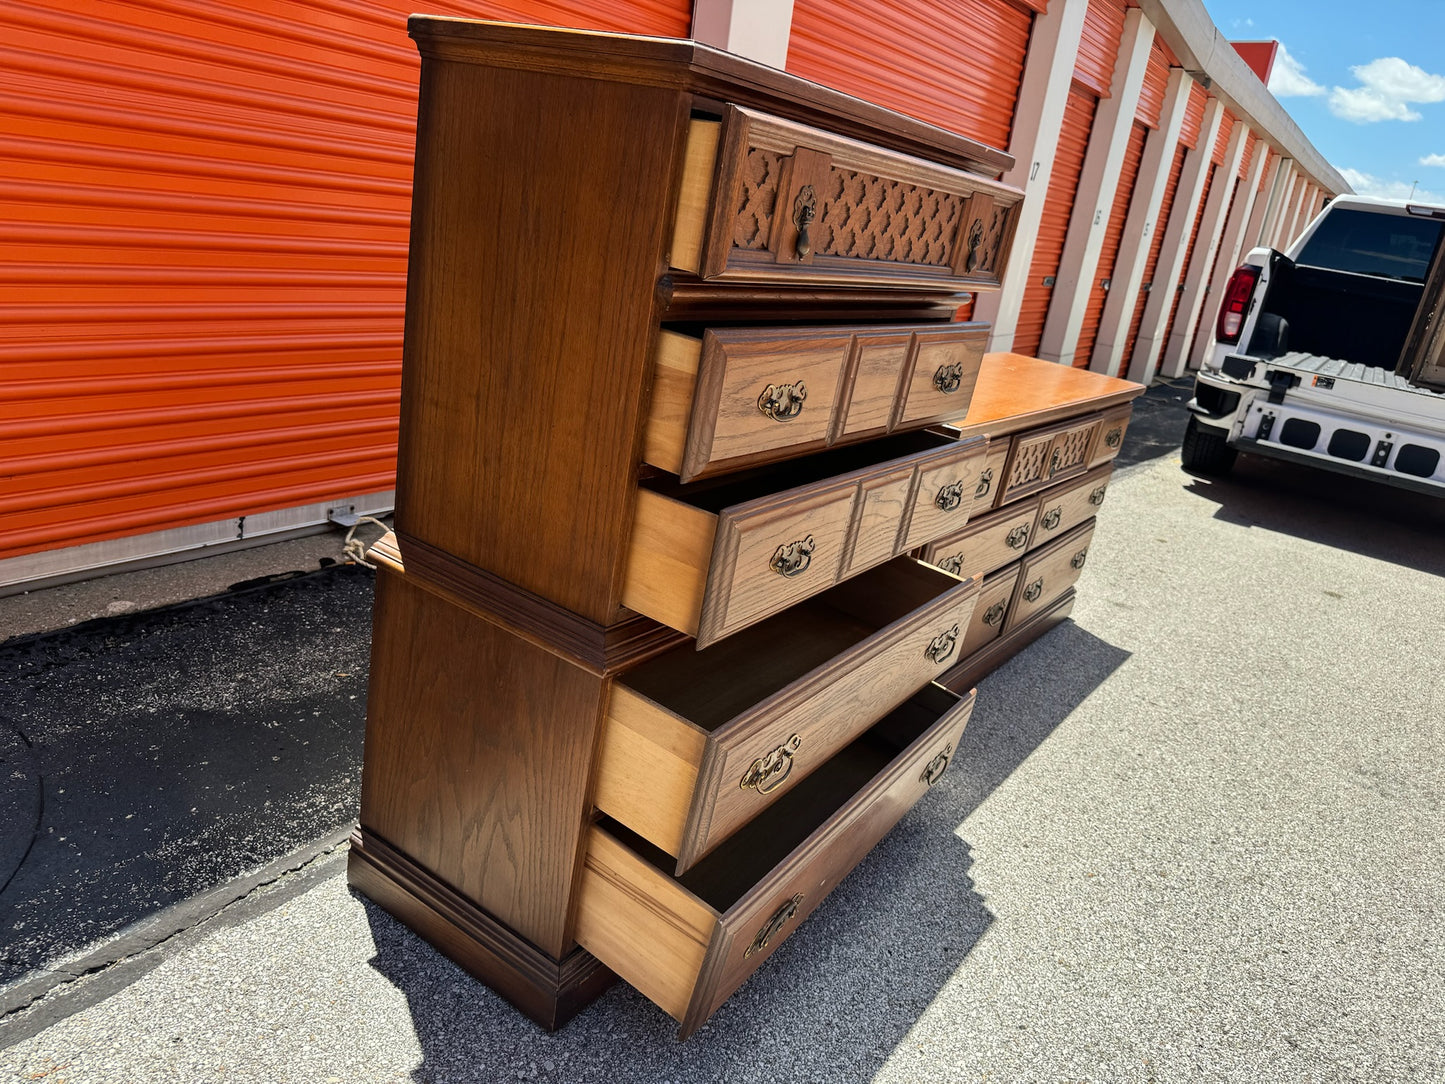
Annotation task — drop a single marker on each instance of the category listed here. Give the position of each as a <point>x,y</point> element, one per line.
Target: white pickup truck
<point>1330,354</point>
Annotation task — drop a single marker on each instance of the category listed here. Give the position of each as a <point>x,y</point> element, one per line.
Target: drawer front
<point>991,478</point>
<point>1049,572</point>
<point>943,375</point>
<point>740,397</point>
<point>769,554</point>
<point>1065,506</point>
<point>993,542</point>
<point>751,930</point>
<point>882,507</point>
<point>787,202</point>
<point>1044,456</point>
<point>794,733</point>
<point>944,496</point>
<point>1112,427</point>
<point>991,614</point>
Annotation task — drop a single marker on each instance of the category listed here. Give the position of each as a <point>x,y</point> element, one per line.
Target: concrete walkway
<point>1191,835</point>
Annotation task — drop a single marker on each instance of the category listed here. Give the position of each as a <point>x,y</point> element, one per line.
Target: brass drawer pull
<point>1051,518</point>
<point>936,767</point>
<point>952,564</point>
<point>805,209</point>
<point>793,558</point>
<point>783,402</point>
<point>1034,590</point>
<point>1077,561</point>
<point>949,378</point>
<point>1055,462</point>
<point>994,614</point>
<point>766,774</point>
<point>1096,498</point>
<point>774,925</point>
<point>1018,538</point>
<point>1113,437</point>
<point>942,645</point>
<point>949,497</point>
<point>985,483</point>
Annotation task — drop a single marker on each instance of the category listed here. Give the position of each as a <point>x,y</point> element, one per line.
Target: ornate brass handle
<point>936,767</point>
<point>1096,498</point>
<point>1034,590</point>
<point>774,925</point>
<point>1113,437</point>
<point>949,497</point>
<point>1051,518</point>
<point>994,614</point>
<point>985,483</point>
<point>1055,461</point>
<point>783,402</point>
<point>948,378</point>
<point>793,558</point>
<point>766,774</point>
<point>1018,538</point>
<point>1077,561</point>
<point>942,645</point>
<point>952,564</point>
<point>805,209</point>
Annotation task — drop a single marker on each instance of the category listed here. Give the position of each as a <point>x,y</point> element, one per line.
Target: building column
<point>1277,238</point>
<point>1231,247</point>
<point>1098,184</point>
<point>756,29</point>
<point>1038,117</point>
<point>1254,229</point>
<point>1176,240</point>
<point>1206,247</point>
<point>1139,226</point>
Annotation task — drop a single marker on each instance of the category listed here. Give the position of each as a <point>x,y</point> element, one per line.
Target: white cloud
<point>1367,184</point>
<point>1433,160</point>
<point>1287,78</point>
<point>1388,87</point>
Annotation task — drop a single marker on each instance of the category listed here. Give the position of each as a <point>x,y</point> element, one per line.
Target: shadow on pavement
<point>1367,518</point>
<point>840,994</point>
<point>1157,425</point>
<point>165,753</point>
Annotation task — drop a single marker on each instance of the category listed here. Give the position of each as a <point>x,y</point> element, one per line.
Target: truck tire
<point>1205,450</point>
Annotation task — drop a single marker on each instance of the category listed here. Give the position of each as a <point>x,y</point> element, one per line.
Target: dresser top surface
<point>700,69</point>
<point>1015,392</point>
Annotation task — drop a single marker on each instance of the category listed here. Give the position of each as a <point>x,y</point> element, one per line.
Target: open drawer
<point>770,200</point>
<point>689,942</point>
<point>697,743</point>
<point>731,397</point>
<point>711,558</point>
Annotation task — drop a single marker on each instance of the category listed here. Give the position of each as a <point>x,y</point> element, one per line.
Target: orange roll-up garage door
<point>953,63</point>
<point>1113,237</point>
<point>203,253</point>
<point>1151,264</point>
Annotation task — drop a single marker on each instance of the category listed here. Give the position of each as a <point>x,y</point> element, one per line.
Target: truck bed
<point>1317,365</point>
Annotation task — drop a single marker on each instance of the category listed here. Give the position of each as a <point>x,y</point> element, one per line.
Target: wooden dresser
<point>655,661</point>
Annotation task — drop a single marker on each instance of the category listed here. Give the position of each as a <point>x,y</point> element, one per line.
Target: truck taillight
<point>1236,303</point>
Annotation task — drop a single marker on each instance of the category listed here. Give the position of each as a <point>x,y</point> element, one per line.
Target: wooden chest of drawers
<point>656,660</point>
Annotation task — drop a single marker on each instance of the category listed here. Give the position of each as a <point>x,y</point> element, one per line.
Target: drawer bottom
<point>688,942</point>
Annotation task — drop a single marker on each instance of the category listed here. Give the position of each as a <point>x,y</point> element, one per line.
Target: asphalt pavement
<point>1190,835</point>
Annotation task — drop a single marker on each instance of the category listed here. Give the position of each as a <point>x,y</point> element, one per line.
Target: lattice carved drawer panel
<point>769,200</point>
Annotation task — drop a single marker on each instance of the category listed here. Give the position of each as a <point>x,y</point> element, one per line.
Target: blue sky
<point>1364,81</point>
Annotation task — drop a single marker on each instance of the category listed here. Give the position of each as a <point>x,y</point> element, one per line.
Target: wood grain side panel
<point>821,861</point>
<point>883,504</point>
<point>695,194</point>
<point>674,376</point>
<point>878,367</point>
<point>647,765</point>
<point>641,923</point>
<point>668,562</point>
<point>477,757</point>
<point>496,465</point>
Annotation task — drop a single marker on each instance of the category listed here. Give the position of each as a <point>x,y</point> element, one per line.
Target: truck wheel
<point>1205,450</point>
